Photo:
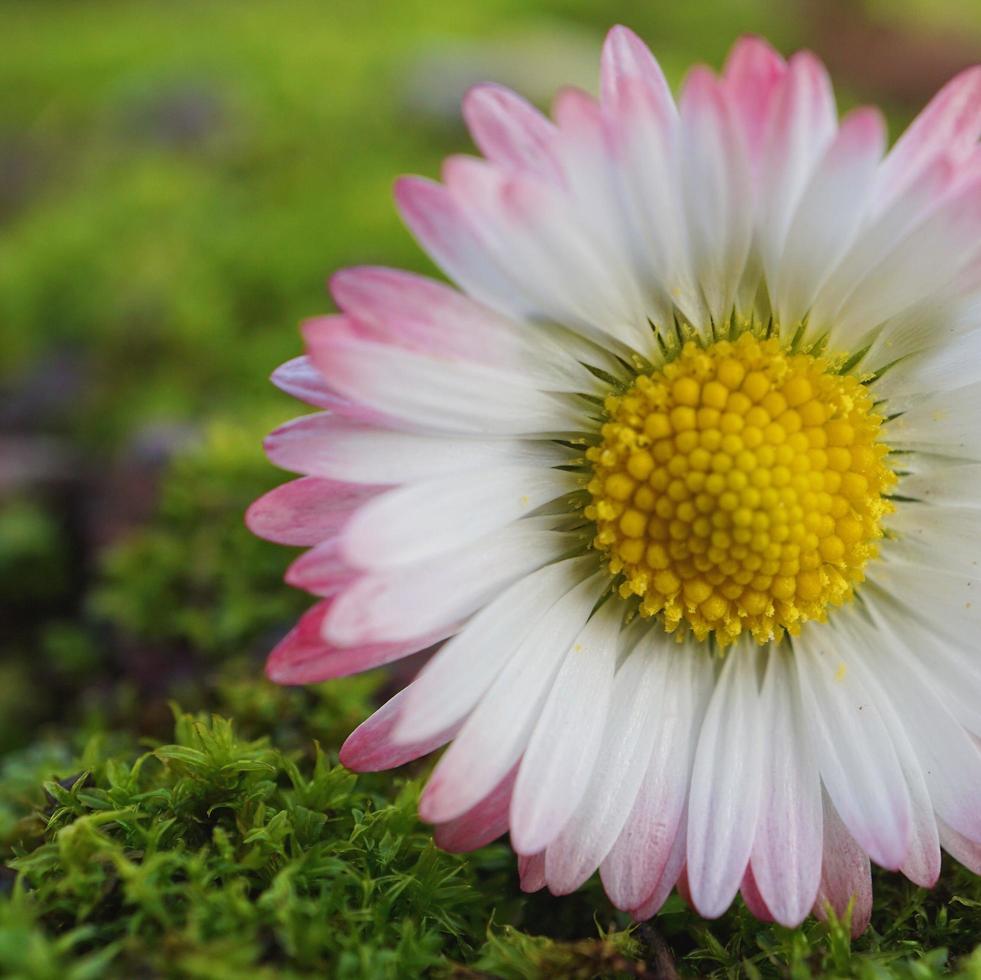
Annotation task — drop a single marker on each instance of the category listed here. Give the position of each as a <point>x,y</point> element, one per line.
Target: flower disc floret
<point>740,487</point>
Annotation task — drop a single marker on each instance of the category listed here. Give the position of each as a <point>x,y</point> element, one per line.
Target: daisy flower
<point>683,479</point>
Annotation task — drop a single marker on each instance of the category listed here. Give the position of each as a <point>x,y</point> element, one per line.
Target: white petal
<point>717,192</point>
<point>949,758</point>
<point>644,128</point>
<point>587,838</point>
<point>495,735</point>
<point>953,362</point>
<point>424,520</point>
<point>434,393</point>
<point>399,603</point>
<point>786,859</point>
<point>877,668</point>
<point>828,214</point>
<point>331,446</point>
<point>942,423</point>
<point>856,756</point>
<point>725,787</point>
<point>924,263</point>
<point>946,602</point>
<point>459,674</point>
<point>938,537</point>
<point>645,854</point>
<point>946,653</point>
<point>914,341</point>
<point>875,240</point>
<point>802,124</point>
<point>564,747</point>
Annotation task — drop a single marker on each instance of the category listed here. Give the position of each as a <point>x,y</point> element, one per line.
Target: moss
<point>218,855</point>
<point>215,855</point>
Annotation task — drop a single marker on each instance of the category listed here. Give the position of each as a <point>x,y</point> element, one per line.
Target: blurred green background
<point>177,179</point>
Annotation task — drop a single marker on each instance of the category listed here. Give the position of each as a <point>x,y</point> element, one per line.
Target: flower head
<point>684,477</point>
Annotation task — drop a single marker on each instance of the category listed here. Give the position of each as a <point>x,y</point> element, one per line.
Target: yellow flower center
<point>740,487</point>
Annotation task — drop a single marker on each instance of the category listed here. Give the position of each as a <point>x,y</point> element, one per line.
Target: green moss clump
<point>222,856</point>
<point>216,856</point>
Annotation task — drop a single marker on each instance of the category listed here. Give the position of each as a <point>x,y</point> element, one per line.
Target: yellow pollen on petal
<point>740,488</point>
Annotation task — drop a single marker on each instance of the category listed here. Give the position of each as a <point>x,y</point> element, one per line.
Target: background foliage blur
<point>176,181</point>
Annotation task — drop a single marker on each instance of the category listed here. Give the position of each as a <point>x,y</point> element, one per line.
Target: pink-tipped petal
<point>684,887</point>
<point>305,511</point>
<point>626,59</point>
<point>444,228</point>
<point>555,263</point>
<point>302,380</point>
<point>921,266</point>
<point>754,900</point>
<point>922,864</point>
<point>644,134</point>
<point>594,194</point>
<point>322,570</point>
<point>752,74</point>
<point>949,126</point>
<point>647,851</point>
<point>337,448</point>
<point>331,447</point>
<point>482,823</point>
<point>456,679</point>
<point>303,656</point>
<point>369,748</point>
<point>672,875</point>
<point>531,869</point>
<point>846,875</point>
<point>941,760</point>
<point>434,394</point>
<point>511,132</point>
<point>961,848</point>
<point>423,315</point>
